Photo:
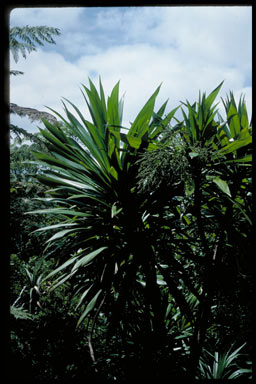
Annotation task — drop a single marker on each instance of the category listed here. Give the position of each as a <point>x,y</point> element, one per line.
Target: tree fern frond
<point>24,39</point>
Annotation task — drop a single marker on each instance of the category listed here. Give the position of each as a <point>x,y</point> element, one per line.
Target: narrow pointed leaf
<point>83,296</point>
<point>61,267</point>
<point>235,145</point>
<point>89,307</point>
<point>60,234</point>
<point>210,99</point>
<point>49,227</point>
<point>144,114</point>
<point>88,258</point>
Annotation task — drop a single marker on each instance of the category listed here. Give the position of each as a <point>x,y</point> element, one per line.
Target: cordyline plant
<point>221,197</point>
<point>121,245</point>
<point>213,157</point>
<point>223,366</point>
<point>101,215</point>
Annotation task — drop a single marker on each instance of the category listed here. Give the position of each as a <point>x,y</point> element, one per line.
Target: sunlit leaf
<point>87,258</point>
<point>222,184</point>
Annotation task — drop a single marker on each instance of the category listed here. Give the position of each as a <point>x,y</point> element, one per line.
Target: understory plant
<point>223,366</point>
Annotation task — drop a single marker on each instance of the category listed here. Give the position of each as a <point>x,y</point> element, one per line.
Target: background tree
<point>216,157</point>
<point>24,40</point>
<point>39,328</point>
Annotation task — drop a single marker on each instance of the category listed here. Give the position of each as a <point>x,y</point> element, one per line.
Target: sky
<point>184,48</point>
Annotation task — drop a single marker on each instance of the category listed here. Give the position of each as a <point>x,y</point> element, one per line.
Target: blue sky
<point>185,48</point>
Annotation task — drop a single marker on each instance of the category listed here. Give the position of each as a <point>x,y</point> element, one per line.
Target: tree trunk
<point>154,342</point>
<point>207,294</point>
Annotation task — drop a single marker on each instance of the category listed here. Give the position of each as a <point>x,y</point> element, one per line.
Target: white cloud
<point>186,48</point>
<point>47,77</point>
<point>52,17</point>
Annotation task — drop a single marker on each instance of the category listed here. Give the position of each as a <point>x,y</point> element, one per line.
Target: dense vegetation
<point>130,249</point>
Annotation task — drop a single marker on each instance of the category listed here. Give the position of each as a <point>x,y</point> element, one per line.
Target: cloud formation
<point>187,49</point>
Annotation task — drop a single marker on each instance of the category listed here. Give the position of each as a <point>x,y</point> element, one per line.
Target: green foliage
<point>224,366</point>
<point>25,39</point>
<point>20,313</point>
<point>101,215</point>
<point>191,160</point>
<point>23,188</point>
<point>48,348</point>
<point>44,344</point>
<point>141,229</point>
<point>91,180</point>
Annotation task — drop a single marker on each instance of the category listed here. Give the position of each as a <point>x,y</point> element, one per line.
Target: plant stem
<point>91,332</point>
<point>207,293</point>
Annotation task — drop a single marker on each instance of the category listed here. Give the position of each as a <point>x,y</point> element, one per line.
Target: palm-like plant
<point>107,251</point>
<point>220,165</point>
<point>224,366</point>
<point>122,247</point>
<point>215,208</point>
